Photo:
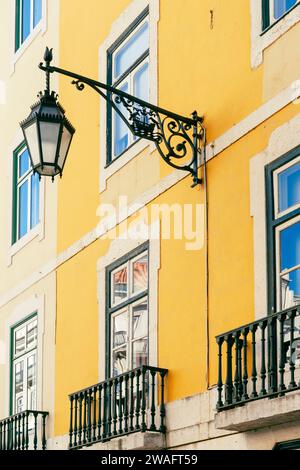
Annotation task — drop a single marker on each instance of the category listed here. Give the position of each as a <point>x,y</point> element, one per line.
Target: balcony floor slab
<point>260,413</point>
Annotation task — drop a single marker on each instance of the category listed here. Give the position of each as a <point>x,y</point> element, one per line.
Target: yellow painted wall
<point>203,65</point>
<point>210,67</point>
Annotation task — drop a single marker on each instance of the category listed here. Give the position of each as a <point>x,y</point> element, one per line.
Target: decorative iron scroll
<point>178,139</point>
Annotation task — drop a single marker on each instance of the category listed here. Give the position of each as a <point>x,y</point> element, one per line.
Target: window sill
<point>279,19</point>
<point>129,154</point>
<point>39,28</point>
<point>37,231</point>
<point>261,40</point>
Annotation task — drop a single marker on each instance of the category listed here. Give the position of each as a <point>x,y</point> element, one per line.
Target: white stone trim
<point>289,95</point>
<point>118,248</point>
<point>41,27</point>
<point>253,120</point>
<point>259,42</point>
<point>282,140</point>
<point>118,27</point>
<point>21,312</point>
<point>39,230</point>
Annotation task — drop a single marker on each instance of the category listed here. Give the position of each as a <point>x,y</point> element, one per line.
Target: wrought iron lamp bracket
<point>178,139</point>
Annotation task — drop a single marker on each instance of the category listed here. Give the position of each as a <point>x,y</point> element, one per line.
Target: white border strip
<point>290,94</point>
<point>120,25</point>
<point>118,248</point>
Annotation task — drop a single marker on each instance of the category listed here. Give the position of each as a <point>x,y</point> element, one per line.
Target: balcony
<point>129,403</point>
<point>24,431</point>
<point>261,361</point>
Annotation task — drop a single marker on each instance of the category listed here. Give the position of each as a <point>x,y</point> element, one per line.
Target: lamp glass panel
<point>49,138</point>
<point>64,146</point>
<point>31,136</point>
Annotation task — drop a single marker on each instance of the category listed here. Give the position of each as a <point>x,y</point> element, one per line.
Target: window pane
<point>289,187</point>
<point>140,320</point>
<point>120,329</point>
<point>25,19</point>
<point>141,83</point>
<point>31,382</point>
<point>140,274</point>
<point>20,340</point>
<point>37,12</point>
<point>281,6</point>
<point>290,289</point>
<point>19,387</point>
<point>121,134</point>
<point>119,285</point>
<point>35,200</point>
<point>132,50</point>
<point>31,338</point>
<point>23,163</point>
<point>119,361</point>
<point>290,247</point>
<point>23,209</point>
<point>139,353</point>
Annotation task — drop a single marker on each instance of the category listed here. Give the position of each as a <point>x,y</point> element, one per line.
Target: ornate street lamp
<point>48,133</point>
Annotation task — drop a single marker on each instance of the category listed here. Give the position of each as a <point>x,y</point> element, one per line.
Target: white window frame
<point>40,28</point>
<point>260,40</point>
<point>127,17</point>
<point>119,248</point>
<point>128,309</point>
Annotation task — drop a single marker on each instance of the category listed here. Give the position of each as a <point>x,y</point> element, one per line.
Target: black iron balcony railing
<point>262,359</point>
<point>131,402</point>
<point>24,431</point>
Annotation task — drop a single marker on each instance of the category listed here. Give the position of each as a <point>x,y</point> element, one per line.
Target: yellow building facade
<point>143,271</point>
